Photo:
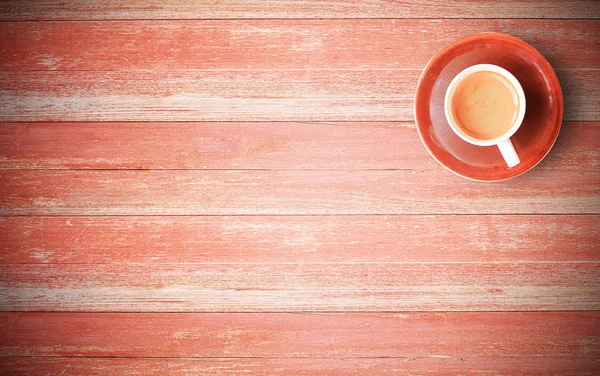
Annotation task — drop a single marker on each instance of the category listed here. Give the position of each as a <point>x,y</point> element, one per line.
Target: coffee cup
<point>485,106</point>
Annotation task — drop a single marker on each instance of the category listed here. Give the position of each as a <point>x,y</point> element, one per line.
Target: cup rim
<point>481,68</point>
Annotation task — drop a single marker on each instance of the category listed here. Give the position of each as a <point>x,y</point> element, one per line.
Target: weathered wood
<point>304,239</point>
<point>218,192</point>
<point>218,145</point>
<point>275,44</point>
<point>192,9</point>
<point>239,95</point>
<point>569,335</point>
<point>230,287</point>
<point>282,70</point>
<point>533,366</point>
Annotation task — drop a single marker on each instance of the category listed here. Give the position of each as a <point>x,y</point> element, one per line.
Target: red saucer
<point>543,115</point>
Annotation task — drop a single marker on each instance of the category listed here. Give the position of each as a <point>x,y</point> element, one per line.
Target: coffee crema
<point>485,105</point>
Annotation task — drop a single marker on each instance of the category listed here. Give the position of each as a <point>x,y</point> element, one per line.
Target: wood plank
<point>218,192</point>
<point>261,145</point>
<point>239,95</point>
<point>275,44</point>
<point>534,366</point>
<point>208,95</point>
<point>255,145</point>
<point>304,239</point>
<point>432,286</point>
<point>190,9</point>
<point>459,335</point>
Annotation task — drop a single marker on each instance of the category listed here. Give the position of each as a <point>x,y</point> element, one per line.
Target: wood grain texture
<point>254,145</point>
<point>299,240</point>
<point>275,44</point>
<point>569,335</point>
<point>433,286</point>
<point>218,192</point>
<point>218,229</point>
<point>239,95</point>
<point>217,145</point>
<point>533,366</point>
<point>190,9</point>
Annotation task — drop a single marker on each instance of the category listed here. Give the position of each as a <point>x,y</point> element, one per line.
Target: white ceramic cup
<point>503,142</point>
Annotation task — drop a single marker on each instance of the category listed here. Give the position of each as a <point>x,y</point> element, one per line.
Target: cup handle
<point>508,153</point>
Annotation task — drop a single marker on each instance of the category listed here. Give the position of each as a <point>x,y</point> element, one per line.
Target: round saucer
<point>543,116</point>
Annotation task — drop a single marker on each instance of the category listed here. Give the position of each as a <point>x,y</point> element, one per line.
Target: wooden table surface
<point>226,187</point>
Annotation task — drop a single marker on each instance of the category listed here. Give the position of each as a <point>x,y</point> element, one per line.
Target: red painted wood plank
<point>534,366</point>
<point>190,9</point>
<point>239,95</point>
<point>305,239</point>
<point>275,44</point>
<point>326,335</point>
<point>219,145</point>
<point>418,286</point>
<point>218,192</point>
